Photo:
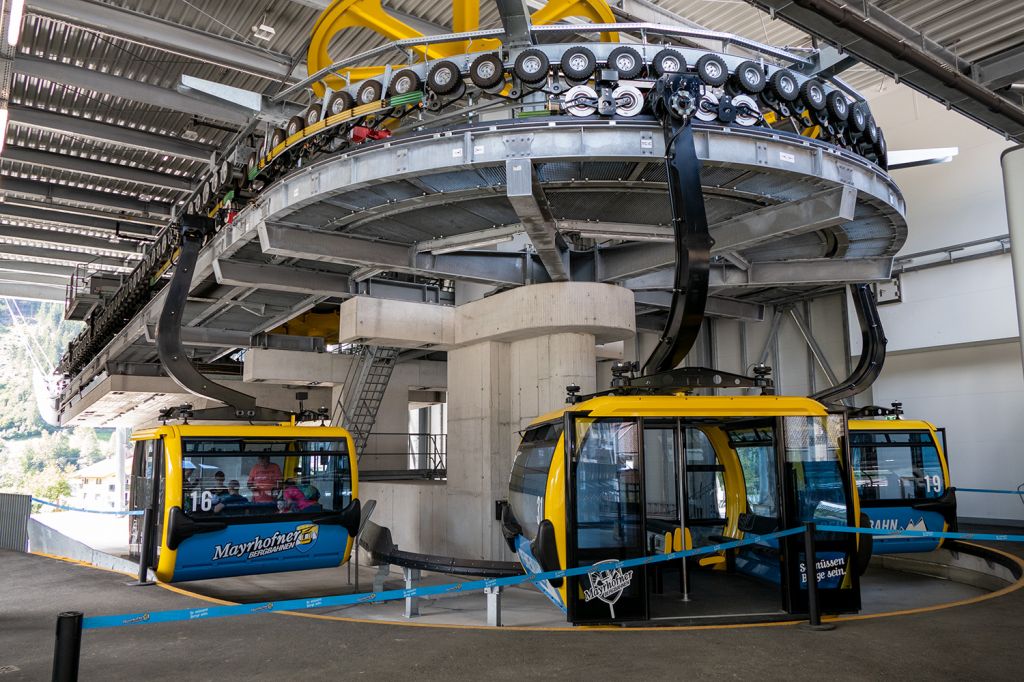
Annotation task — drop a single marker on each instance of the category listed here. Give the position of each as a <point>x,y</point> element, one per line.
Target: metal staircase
<point>364,389</point>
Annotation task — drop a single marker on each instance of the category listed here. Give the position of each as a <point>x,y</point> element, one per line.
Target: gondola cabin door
<point>605,506</point>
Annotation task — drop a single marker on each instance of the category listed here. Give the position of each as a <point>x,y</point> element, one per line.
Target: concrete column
<point>510,357</point>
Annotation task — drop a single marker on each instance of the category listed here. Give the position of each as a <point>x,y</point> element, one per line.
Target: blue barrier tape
<point>120,620</point>
<point>89,511</point>
<point>988,490</point>
<point>998,537</point>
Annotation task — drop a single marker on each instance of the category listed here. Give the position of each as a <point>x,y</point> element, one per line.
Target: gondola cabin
<point>244,499</point>
<point>902,481</point>
<point>620,476</point>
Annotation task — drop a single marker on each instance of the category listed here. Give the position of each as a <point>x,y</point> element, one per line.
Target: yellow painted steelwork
<point>171,436</point>
<point>345,14</point>
<point>312,324</point>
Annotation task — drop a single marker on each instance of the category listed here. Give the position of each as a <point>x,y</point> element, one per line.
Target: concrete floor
<point>981,640</point>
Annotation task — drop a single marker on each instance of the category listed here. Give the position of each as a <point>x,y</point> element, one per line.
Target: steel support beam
<point>23,266</point>
<point>100,169</point>
<point>879,39</point>
<point>527,198</point>
<point>108,200</point>
<point>74,212</point>
<point>58,240</point>
<point>809,271</point>
<point>130,89</point>
<point>717,306</point>
<point>779,273</point>
<point>17,213</point>
<point>32,292</point>
<point>306,281</point>
<point>207,337</point>
<point>70,257</point>
<point>815,212</point>
<point>489,267</point>
<point>164,35</point>
<point>105,132</point>
<point>31,278</point>
<point>1001,70</point>
<point>515,19</point>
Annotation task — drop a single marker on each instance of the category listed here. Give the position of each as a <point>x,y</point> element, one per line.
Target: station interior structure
<point>443,226</point>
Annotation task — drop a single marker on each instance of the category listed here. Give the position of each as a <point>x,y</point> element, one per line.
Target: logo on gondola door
<point>608,585</point>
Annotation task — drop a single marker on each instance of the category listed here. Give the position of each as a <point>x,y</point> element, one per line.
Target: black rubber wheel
<point>578,63</point>
<point>858,118</point>
<point>403,82</point>
<point>784,86</point>
<point>369,92</point>
<point>712,70</point>
<point>668,61</point>
<point>838,107</point>
<point>444,78</point>
<point>882,149</point>
<point>626,61</point>
<point>295,125</point>
<point>339,102</point>
<point>749,77</point>
<point>487,71</point>
<point>812,92</point>
<point>532,66</point>
<point>313,112</point>
<point>277,137</point>
<point>871,130</point>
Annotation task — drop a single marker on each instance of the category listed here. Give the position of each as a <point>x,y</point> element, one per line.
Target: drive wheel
<point>487,71</point>
<point>812,92</point>
<point>626,61</point>
<point>444,78</point>
<point>403,82</point>
<point>369,92</point>
<point>532,66</point>
<point>668,61</point>
<point>838,107</point>
<point>578,63</point>
<point>749,76</point>
<point>339,102</point>
<point>712,70</point>
<point>295,125</point>
<point>784,86</point>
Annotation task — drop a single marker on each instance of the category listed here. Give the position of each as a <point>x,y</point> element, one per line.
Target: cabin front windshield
<point>893,465</point>
<point>235,477</point>
<point>530,477</point>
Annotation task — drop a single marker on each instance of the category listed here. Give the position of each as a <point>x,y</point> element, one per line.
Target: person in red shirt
<point>264,479</point>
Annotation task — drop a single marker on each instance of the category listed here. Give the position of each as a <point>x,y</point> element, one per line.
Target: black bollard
<point>811,561</point>
<point>68,646</point>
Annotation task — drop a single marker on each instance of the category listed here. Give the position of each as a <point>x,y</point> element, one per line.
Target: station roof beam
<point>174,38</point>
<point>105,132</point>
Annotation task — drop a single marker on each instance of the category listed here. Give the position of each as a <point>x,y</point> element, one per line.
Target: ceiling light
<point>263,31</point>
<point>14,22</point>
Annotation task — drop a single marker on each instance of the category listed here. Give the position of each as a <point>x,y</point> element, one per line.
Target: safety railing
<point>404,456</point>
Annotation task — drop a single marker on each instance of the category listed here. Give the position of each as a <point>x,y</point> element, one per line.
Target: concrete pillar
<point>510,357</point>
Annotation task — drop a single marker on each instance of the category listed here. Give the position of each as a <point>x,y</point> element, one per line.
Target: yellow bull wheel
<point>345,14</point>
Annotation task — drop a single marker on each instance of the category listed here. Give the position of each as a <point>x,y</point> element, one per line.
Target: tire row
<point>751,93</point>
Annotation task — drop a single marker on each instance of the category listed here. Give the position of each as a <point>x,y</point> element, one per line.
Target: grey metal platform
<point>791,217</point>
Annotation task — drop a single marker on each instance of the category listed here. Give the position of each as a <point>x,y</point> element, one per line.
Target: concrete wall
<point>970,391</point>
<point>415,512</point>
<point>953,340</point>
